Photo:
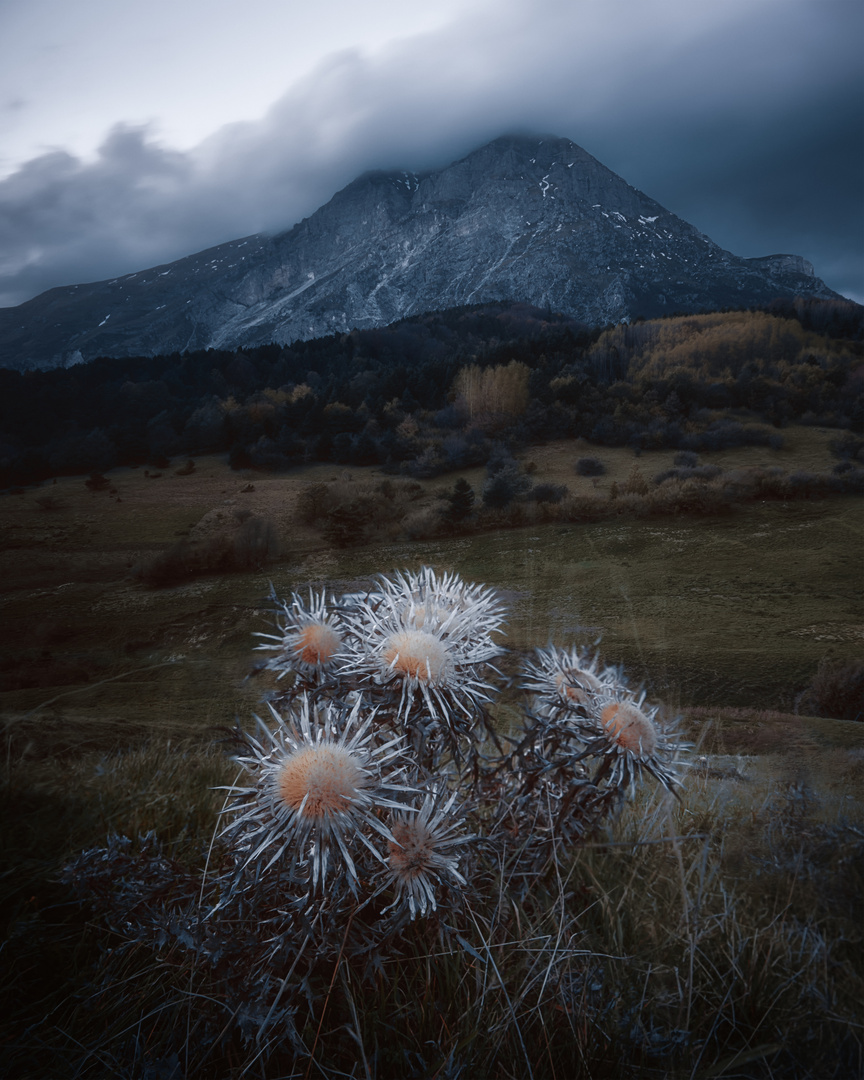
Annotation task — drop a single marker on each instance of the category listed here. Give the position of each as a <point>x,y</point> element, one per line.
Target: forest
<point>445,390</point>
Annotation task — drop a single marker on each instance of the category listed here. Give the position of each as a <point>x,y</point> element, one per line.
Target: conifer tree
<point>461,500</point>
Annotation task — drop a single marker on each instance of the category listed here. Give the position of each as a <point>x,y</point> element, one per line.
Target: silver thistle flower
<point>318,785</point>
<point>566,681</point>
<point>309,637</point>
<point>624,730</point>
<point>427,640</point>
<point>421,852</point>
<point>582,712</point>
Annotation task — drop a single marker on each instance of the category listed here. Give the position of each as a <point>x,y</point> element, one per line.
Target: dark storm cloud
<point>743,118</point>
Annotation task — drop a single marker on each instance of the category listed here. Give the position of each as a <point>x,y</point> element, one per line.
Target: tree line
<point>440,391</point>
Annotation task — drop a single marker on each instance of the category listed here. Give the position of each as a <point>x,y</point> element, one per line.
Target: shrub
<point>311,503</point>
<point>590,466</point>
<point>177,563</point>
<point>587,508</point>
<point>547,493</point>
<point>848,447</point>
<point>725,433</point>
<point>504,486</point>
<point>805,484</point>
<point>97,482</point>
<point>350,513</point>
<point>254,543</point>
<point>694,472</point>
<point>686,458</point>
<point>635,484</point>
<point>688,497</point>
<point>348,523</point>
<point>423,524</point>
<point>431,462</point>
<point>837,691</point>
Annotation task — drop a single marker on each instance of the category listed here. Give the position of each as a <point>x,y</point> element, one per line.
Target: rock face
<point>534,219</point>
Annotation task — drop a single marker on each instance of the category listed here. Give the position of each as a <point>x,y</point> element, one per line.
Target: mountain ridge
<point>526,218</point>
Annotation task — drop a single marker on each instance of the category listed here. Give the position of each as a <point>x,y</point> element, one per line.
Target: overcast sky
<point>131,135</point>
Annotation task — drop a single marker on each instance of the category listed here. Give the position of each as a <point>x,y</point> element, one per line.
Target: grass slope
<point>715,938</point>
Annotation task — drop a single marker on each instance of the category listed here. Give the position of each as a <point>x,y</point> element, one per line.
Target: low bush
<point>635,484</point>
<point>350,521</point>
<point>686,459</point>
<point>254,543</point>
<point>590,466</point>
<point>725,433</point>
<point>425,524</point>
<point>547,493</point>
<point>311,501</point>
<point>848,447</point>
<point>837,691</point>
<point>349,513</point>
<point>689,472</point>
<point>577,508</point>
<point>505,484</point>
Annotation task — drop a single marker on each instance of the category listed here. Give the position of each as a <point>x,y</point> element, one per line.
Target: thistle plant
<point>420,646</point>
<point>423,852</point>
<point>308,638</point>
<point>377,803</point>
<point>581,712</point>
<point>319,782</point>
<point>586,741</point>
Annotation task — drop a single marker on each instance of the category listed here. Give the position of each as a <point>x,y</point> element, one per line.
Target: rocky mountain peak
<point>532,218</point>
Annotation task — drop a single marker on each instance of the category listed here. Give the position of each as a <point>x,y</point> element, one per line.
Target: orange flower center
<point>417,655</point>
<point>629,727</point>
<point>576,685</point>
<point>327,777</point>
<point>316,644</point>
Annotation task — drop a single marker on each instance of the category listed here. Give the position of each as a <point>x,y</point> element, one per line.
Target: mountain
<point>535,219</point>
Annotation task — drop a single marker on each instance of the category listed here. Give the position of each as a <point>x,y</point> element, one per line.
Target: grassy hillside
<point>735,610</point>
<point>717,936</point>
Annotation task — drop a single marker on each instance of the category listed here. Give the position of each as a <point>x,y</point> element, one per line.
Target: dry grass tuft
<point>684,941</point>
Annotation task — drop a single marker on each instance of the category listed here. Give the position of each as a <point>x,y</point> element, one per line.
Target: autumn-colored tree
<point>494,391</point>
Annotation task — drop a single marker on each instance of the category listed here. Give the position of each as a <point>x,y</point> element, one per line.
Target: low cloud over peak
<point>740,119</point>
